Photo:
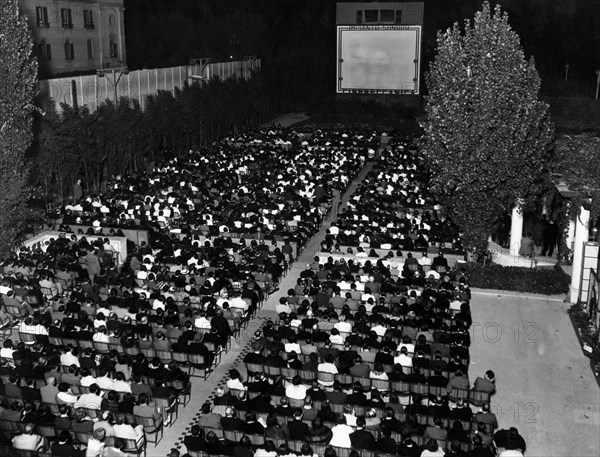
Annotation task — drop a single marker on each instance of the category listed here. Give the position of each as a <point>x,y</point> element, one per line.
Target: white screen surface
<point>378,58</point>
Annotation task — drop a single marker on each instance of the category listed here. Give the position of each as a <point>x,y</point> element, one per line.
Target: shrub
<point>538,281</point>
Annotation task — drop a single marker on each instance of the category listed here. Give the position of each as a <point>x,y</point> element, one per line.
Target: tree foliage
<point>121,138</point>
<point>487,135</point>
<point>18,78</point>
<point>578,163</point>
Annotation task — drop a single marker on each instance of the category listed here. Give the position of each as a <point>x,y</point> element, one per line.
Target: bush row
<point>532,280</point>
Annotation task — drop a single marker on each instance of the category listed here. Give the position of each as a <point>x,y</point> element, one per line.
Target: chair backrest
<point>49,432</point>
<point>257,440</point>
<point>325,377</point>
<point>254,367</point>
<point>135,446</point>
<point>101,347</point>
<point>27,337</point>
<point>82,437</point>
<point>196,359</point>
<point>272,371</point>
<point>180,357</point>
<point>148,421</point>
<point>380,384</point>
<point>148,352</point>
<point>164,356</point>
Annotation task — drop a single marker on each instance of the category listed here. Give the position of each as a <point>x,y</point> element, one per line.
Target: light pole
<point>117,73</point>
<point>234,44</point>
<point>597,81</point>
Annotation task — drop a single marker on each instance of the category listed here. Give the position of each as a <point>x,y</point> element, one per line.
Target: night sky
<point>296,38</point>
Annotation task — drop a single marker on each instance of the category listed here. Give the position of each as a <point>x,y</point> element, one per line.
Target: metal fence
<point>92,90</point>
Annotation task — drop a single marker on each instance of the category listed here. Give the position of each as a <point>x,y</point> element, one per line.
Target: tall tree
<point>487,135</point>
<point>18,77</point>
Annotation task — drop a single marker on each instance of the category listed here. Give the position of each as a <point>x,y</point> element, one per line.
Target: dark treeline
<point>296,38</point>
<point>117,139</point>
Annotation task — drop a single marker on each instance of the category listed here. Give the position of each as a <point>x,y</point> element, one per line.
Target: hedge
<point>532,280</point>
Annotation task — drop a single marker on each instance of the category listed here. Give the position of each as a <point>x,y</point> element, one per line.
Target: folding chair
<point>197,362</point>
<point>164,356</point>
<point>27,337</point>
<point>151,425</point>
<point>184,390</point>
<point>479,398</point>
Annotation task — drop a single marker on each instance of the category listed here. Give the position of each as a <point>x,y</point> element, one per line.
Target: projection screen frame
<point>340,89</point>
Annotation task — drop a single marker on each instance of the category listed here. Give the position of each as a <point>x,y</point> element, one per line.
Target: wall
<point>92,90</point>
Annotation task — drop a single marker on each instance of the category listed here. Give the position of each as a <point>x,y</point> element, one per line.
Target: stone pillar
<point>516,229</point>
<point>581,236</point>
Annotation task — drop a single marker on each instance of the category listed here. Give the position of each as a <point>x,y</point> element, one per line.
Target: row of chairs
<point>318,449</point>
<point>153,427</point>
<point>402,388</point>
<point>131,447</point>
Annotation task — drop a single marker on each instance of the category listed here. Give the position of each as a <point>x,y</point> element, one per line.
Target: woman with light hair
<point>95,445</point>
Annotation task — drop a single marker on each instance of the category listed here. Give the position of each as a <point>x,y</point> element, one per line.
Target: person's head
<point>432,445</point>
<point>196,430</point>
<point>64,437</point>
<point>305,449</point>
<point>206,408</point>
<point>490,375</point>
<point>477,440</point>
<point>360,422</point>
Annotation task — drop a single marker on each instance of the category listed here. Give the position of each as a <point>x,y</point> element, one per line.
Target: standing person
<point>336,202</point>
<point>92,263</point>
<point>77,191</point>
<point>549,238</point>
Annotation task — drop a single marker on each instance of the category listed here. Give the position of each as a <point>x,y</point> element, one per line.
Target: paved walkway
<point>545,387</point>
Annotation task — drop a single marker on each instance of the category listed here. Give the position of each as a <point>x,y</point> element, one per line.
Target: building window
<point>359,17</point>
<point>66,18</point>
<point>371,15</point>
<point>41,14</point>
<point>387,15</point>
<point>90,49</point>
<point>69,50</point>
<point>88,19</point>
<point>45,51</point>
<point>398,16</point>
<point>114,52</point>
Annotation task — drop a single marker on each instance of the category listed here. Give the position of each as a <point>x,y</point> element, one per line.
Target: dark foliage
<point>536,281</point>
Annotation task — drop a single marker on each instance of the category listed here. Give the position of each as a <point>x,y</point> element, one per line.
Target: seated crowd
<point>330,379</point>
<point>392,208</point>
<point>103,342</point>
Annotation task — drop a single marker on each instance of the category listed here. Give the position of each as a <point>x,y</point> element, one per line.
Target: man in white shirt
<point>119,383</point>
<point>424,260</point>
<point>70,357</point>
<point>64,395</point>
<point>343,326</point>
<point>91,400</point>
<point>202,323</point>
<point>327,367</point>
<point>403,358</point>
<point>104,381</point>
<point>296,390</point>
<point>341,435</point>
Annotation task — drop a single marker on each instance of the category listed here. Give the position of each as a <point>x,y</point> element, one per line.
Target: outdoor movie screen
<point>378,58</point>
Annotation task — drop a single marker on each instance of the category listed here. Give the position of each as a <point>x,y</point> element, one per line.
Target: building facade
<point>76,36</point>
